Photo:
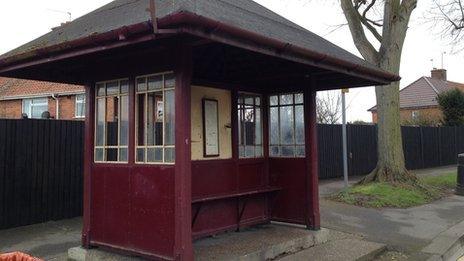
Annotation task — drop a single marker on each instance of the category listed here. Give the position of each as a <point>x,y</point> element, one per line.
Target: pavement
<point>49,241</point>
<point>405,230</point>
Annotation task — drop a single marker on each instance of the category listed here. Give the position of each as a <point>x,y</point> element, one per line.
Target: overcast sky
<point>24,20</point>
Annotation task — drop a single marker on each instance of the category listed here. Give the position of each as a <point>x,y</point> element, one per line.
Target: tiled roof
<point>244,14</point>
<point>424,92</point>
<point>11,88</point>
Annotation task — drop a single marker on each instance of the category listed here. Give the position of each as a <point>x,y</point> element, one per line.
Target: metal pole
<point>345,149</point>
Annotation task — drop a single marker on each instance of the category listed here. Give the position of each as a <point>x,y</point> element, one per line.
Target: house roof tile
<point>423,92</point>
<point>11,88</point>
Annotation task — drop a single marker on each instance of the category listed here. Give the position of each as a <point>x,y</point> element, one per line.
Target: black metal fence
<point>40,171</point>
<point>424,147</point>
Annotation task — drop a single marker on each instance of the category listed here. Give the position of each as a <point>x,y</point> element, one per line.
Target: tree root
<point>394,177</point>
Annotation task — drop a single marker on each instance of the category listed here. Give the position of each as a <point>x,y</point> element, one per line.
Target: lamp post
<point>344,138</point>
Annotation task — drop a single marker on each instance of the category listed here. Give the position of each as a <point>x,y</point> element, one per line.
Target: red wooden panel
<point>213,177</point>
<point>215,216</point>
<point>152,212</point>
<point>289,203</point>
<point>133,208</point>
<point>251,174</point>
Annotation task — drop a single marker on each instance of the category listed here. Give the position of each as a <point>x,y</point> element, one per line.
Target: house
<point>200,117</point>
<point>32,98</point>
<point>418,101</point>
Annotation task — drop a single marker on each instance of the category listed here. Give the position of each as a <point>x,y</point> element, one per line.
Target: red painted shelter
<point>201,117</point>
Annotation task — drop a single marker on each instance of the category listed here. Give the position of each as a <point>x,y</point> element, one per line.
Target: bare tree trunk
<point>390,166</point>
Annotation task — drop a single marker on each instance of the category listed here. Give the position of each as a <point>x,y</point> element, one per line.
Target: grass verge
<point>379,195</point>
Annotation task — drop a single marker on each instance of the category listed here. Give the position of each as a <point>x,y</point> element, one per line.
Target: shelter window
<point>155,119</point>
<point>35,107</point>
<point>80,106</point>
<point>112,121</point>
<point>250,126</point>
<point>286,125</point>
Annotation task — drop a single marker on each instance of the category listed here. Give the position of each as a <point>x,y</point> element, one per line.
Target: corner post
<point>183,64</point>
<point>88,161</point>
<point>312,216</point>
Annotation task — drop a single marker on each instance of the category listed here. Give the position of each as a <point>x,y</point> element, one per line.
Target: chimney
<point>439,74</point>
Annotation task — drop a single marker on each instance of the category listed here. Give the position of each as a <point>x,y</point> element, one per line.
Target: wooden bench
<point>241,197</point>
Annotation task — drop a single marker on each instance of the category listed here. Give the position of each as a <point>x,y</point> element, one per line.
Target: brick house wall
<point>12,109</point>
<point>431,114</point>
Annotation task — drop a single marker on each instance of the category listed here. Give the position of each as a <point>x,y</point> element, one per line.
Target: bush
<point>452,105</point>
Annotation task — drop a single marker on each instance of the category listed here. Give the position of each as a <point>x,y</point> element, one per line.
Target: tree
<point>452,105</point>
<point>448,15</point>
<point>328,109</point>
<point>394,25</point>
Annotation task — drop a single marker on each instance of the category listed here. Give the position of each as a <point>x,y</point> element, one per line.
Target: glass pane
<point>273,100</point>
<point>111,154</point>
<point>124,86</point>
<point>27,107</point>
<point>240,125</point>
<point>169,155</point>
<point>141,84</point>
<point>300,151</point>
<point>258,101</point>
<point>240,100</point>
<point>155,82</point>
<point>274,151</point>
<point>259,151</point>
<point>249,126</point>
<point>140,157</point>
<point>241,151</point>
<point>155,111</point>
<point>112,88</point>
<point>258,127</point>
<point>249,100</point>
<point>288,151</point>
<point>286,99</point>
<point>274,126</point>
<point>299,98</point>
<point>124,131</point>
<point>299,125</point>
<point>123,155</point>
<point>99,155</point>
<point>169,80</point>
<point>101,90</point>
<point>249,151</point>
<point>112,121</point>
<point>37,110</point>
<point>154,155</point>
<point>141,119</point>
<point>100,128</point>
<point>170,118</point>
<point>286,125</point>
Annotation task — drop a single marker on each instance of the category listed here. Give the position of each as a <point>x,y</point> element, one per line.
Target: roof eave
<point>186,22</point>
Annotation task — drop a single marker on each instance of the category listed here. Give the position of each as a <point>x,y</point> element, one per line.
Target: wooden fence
<point>41,162</point>
<point>424,147</point>
<point>40,171</point>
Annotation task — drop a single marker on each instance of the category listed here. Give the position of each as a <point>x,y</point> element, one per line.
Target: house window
<point>415,115</point>
<point>80,106</point>
<point>35,107</point>
<point>155,119</point>
<point>250,126</point>
<point>286,125</point>
<point>112,121</point>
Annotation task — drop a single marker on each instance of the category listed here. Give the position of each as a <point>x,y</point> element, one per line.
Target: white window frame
<point>415,115</point>
<point>33,104</point>
<point>244,95</point>
<point>79,100</point>
<point>145,147</point>
<point>104,146</point>
<point>295,145</point>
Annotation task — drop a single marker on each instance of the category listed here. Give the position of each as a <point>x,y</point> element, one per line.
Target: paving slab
<point>258,243</point>
<point>449,245</point>
<point>339,250</point>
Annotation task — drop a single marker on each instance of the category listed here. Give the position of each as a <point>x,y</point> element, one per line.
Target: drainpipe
<point>57,106</point>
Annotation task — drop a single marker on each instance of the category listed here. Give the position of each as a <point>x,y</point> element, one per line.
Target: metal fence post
<point>460,178</point>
